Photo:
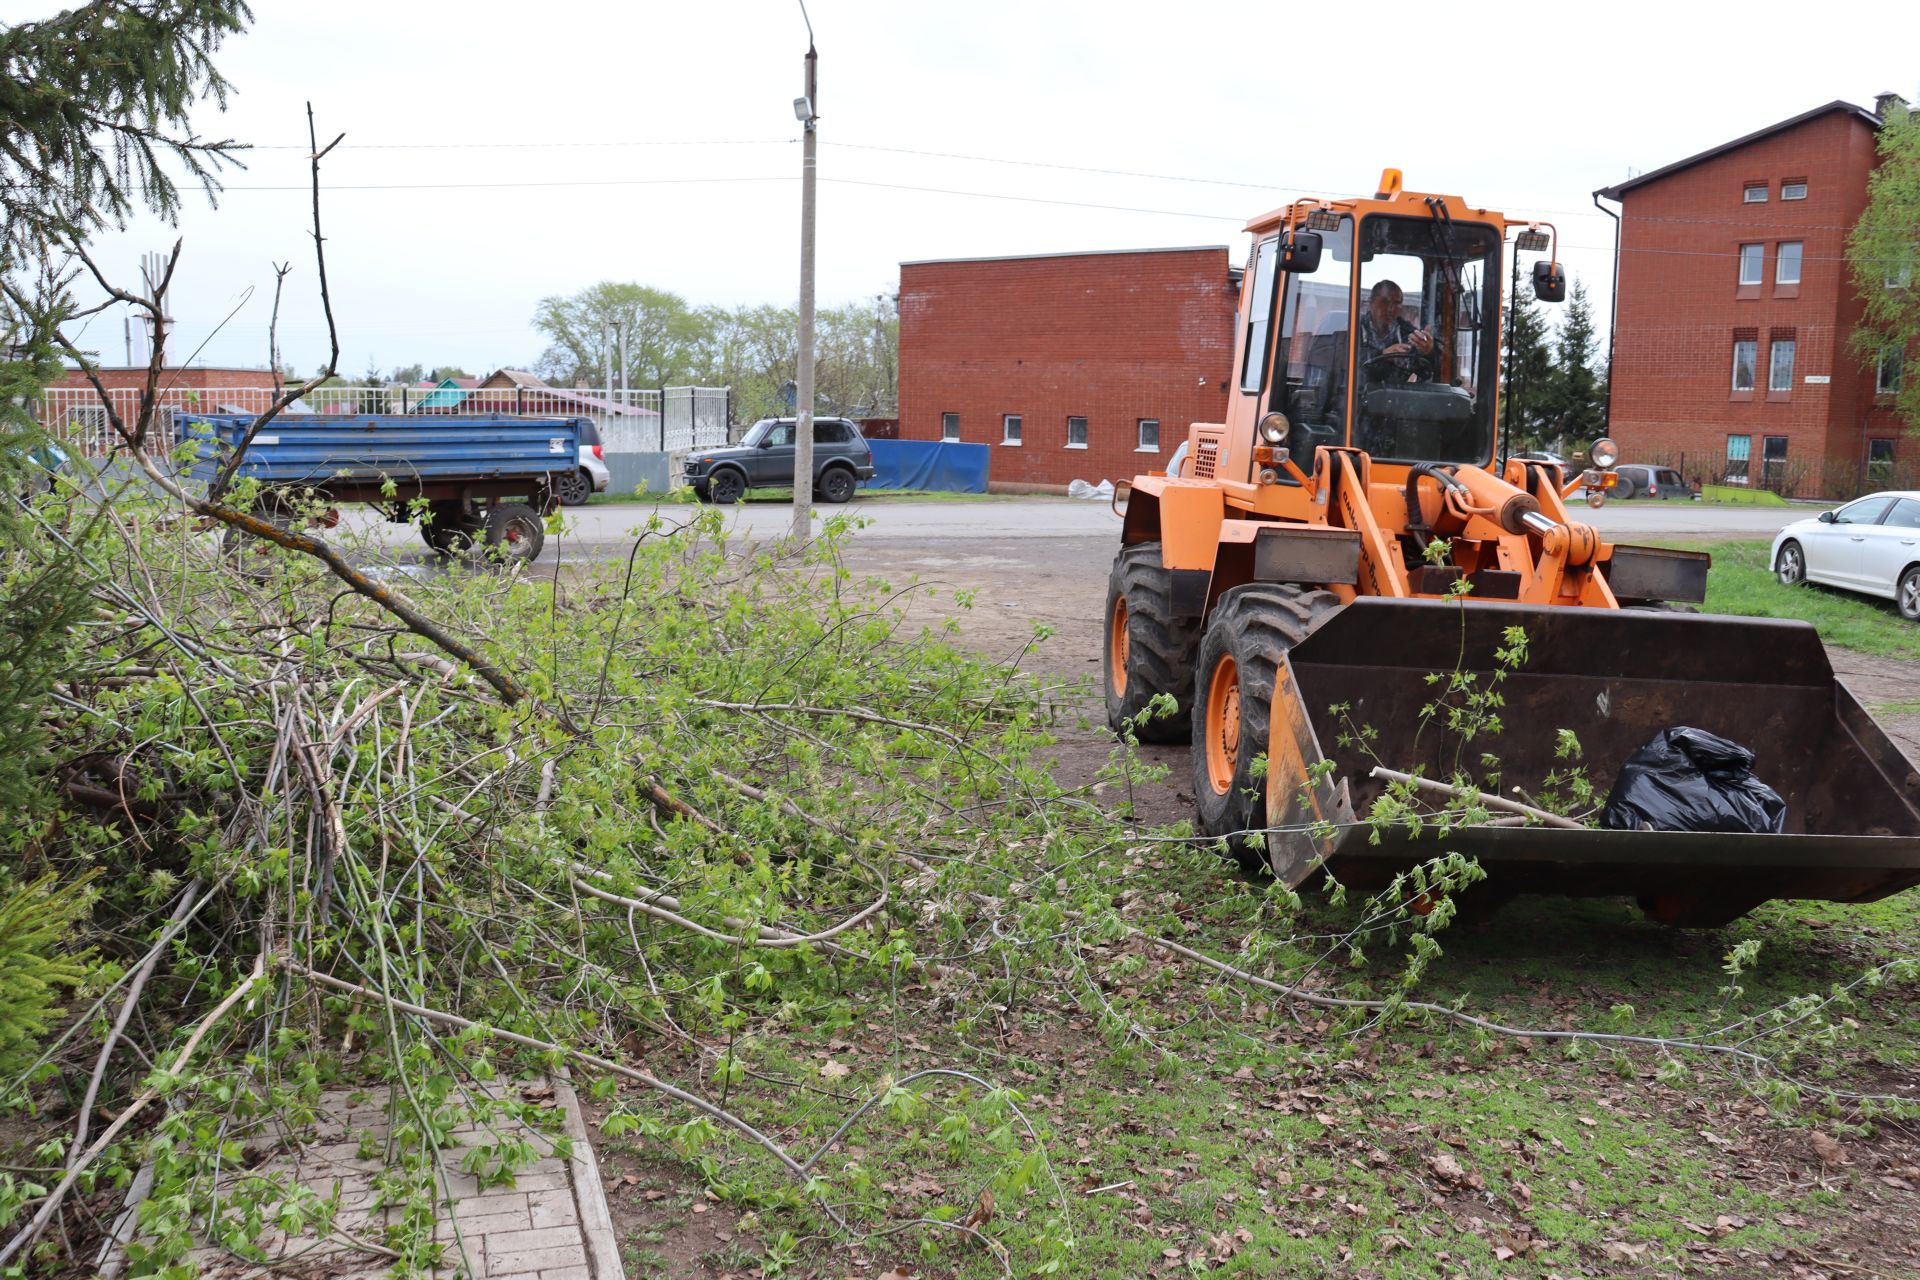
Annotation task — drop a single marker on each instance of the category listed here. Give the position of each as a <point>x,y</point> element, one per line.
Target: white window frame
<point>1886,373</point>
<point>1085,432</point>
<point>1011,425</point>
<point>1781,257</point>
<point>1140,435</point>
<point>949,428</point>
<point>1787,189</point>
<point>1755,256</point>
<point>1753,363</point>
<point>1747,195</point>
<point>1775,380</point>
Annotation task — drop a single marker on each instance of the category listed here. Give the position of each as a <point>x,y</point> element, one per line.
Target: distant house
<point>534,395</point>
<point>1735,308</point>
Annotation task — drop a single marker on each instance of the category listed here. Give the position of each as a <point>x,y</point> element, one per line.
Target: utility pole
<point>808,110</point>
<point>606,357</point>
<point>622,327</point>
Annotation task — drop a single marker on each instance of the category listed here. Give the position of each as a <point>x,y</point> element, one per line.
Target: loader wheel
<point>1252,629</point>
<point>1149,651</point>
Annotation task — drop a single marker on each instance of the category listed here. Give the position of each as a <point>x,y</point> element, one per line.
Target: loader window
<point>1253,367</point>
<point>1424,345</point>
<point>1314,323</point>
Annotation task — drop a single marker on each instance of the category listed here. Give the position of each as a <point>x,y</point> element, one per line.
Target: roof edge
<point>1072,253</point>
<point>1615,191</point>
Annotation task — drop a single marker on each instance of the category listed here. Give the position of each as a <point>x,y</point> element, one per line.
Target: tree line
<point>1557,394</point>
<point>753,349</point>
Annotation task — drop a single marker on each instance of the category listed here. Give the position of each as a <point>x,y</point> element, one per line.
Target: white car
<point>1871,545</point>
<point>574,488</point>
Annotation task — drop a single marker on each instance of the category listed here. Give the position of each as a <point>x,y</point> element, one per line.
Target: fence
<point>629,422</point>
<point>1831,479</point>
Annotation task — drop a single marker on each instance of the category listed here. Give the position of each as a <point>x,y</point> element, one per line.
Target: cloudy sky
<point>496,154</point>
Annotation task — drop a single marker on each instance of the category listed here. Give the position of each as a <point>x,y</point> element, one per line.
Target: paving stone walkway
<point>553,1223</point>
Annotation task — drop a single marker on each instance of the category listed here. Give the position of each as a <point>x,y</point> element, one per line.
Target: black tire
<point>836,485</point>
<point>1906,595</point>
<point>573,489</point>
<point>1790,566</point>
<point>726,487</point>
<point>1253,626</point>
<point>450,528</point>
<point>1159,648</point>
<point>515,533</point>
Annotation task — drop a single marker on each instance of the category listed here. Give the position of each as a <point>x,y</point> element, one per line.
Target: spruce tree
<point>1579,400</point>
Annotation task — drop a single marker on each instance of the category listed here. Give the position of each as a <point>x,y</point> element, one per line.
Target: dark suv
<point>1641,480</point>
<point>764,459</point>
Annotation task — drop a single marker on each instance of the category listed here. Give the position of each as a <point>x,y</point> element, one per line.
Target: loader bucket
<point>1615,678</point>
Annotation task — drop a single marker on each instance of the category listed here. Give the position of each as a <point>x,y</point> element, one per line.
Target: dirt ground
<point>1061,582</point>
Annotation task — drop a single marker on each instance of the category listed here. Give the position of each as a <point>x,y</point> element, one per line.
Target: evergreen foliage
<point>1883,252</point>
<point>93,108</point>
<point>35,919</point>
<point>1558,387</point>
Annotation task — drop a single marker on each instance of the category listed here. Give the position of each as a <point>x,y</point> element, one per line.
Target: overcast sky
<point>496,154</point>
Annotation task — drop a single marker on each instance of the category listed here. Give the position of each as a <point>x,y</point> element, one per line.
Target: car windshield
<point>756,432</point>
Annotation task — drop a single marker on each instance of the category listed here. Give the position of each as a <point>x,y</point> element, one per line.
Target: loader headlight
<point>1604,453</point>
<point>1274,428</point>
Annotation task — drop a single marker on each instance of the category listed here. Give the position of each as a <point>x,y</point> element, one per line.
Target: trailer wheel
<point>515,533</point>
<point>450,528</point>
<point>1252,629</point>
<point>1148,650</point>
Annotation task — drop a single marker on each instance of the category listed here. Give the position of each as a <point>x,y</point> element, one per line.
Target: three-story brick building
<point>1735,308</point>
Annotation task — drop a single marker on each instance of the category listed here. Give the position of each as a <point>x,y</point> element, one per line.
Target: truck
<point>479,480</point>
<point>1353,534</point>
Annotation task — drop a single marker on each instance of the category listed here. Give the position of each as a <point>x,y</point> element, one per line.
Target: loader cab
<point>1390,343</point>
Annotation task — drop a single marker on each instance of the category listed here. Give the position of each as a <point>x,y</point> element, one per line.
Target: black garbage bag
<point>1692,780</point>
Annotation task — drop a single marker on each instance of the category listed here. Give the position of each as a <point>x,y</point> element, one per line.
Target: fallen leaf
<point>831,1070</point>
<point>982,1210</point>
<point>1621,1251</point>
<point>1827,1148</point>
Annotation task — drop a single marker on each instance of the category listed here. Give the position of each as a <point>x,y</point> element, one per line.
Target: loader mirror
<point>1549,282</point>
<point>1300,252</point>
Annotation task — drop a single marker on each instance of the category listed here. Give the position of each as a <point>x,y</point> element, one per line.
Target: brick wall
<point>1111,337</point>
<point>1681,307</point>
<point>192,378</point>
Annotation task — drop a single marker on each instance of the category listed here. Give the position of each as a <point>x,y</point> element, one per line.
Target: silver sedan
<point>1871,545</point>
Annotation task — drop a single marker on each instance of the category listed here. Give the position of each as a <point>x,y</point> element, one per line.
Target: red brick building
<point>1087,366</point>
<point>1734,308</point>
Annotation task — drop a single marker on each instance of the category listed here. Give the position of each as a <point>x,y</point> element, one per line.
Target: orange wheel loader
<point>1351,530</point>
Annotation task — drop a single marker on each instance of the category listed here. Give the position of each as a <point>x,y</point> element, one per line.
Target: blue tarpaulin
<point>941,465</point>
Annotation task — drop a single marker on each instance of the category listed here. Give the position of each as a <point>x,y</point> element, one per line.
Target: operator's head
<point>1383,303</point>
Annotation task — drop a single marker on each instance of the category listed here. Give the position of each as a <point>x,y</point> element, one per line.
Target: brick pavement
<point>551,1224</point>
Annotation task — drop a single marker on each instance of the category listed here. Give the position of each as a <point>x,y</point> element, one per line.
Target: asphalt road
<point>1026,518</point>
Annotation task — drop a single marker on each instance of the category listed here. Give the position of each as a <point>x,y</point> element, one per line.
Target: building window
<point>1010,429</point>
<point>1886,374</point>
<point>1076,433</point>
<point>1750,263</point>
<point>1880,463</point>
<point>949,426</point>
<point>1739,449</point>
<point>1794,189</point>
<point>1773,461</point>
<point>1786,263</point>
<point>1149,436</point>
<point>1755,193</point>
<point>1780,368</point>
<point>1744,355</point>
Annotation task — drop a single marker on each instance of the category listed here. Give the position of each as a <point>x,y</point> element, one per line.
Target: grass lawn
<point>1742,582</point>
<point>1734,495</point>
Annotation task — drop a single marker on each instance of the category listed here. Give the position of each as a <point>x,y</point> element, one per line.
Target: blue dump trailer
<point>482,480</point>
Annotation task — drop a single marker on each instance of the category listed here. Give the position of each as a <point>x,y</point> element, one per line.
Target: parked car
<point>1639,480</point>
<point>1543,455</point>
<point>1871,546</point>
<point>764,459</point>
<point>575,487</point>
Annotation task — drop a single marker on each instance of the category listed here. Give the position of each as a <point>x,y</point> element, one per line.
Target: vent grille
<point>1206,456</point>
